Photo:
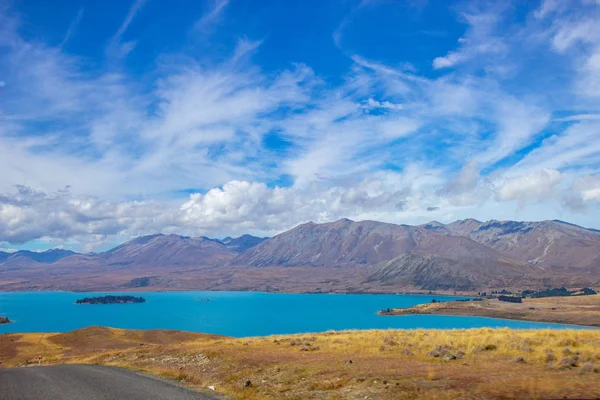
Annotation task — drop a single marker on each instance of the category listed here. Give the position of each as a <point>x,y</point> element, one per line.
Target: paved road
<point>87,382</point>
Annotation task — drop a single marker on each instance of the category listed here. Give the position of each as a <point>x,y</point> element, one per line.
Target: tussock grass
<point>382,364</point>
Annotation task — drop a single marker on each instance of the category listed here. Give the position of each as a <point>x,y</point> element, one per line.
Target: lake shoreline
<point>175,290</point>
<point>573,310</point>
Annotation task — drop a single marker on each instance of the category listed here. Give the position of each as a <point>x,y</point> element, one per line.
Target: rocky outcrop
<point>4,320</point>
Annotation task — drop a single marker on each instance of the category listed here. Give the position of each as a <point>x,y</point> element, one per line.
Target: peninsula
<point>111,300</point>
<point>4,320</point>
<point>574,310</point>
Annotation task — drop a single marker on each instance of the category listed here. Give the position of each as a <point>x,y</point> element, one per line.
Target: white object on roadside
<point>211,387</point>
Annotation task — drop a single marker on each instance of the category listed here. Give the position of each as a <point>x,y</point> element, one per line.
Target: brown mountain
<point>335,244</point>
<point>167,250</point>
<point>158,261</point>
<point>399,256</point>
<point>344,256</point>
<point>348,243</point>
<point>545,244</point>
<point>458,264</point>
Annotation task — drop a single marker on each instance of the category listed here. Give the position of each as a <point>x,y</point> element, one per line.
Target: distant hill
<point>45,257</point>
<point>242,243</point>
<point>4,255</point>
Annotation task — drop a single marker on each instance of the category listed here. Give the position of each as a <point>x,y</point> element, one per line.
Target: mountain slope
<point>462,265</point>
<point>334,244</point>
<point>348,243</point>
<point>545,243</point>
<point>167,250</point>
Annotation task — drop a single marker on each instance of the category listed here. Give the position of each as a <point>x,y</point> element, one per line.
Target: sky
<point>221,117</point>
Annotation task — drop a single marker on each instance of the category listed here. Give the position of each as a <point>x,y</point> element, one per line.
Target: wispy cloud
<point>116,47</point>
<point>480,41</point>
<point>72,28</point>
<point>212,17</point>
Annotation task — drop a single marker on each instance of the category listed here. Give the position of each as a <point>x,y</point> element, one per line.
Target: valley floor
<point>384,364</point>
<point>574,310</point>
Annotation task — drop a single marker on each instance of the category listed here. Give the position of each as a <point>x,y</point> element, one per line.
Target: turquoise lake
<point>232,313</point>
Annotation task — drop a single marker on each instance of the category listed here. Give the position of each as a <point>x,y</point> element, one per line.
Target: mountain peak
<point>242,243</point>
<point>433,226</point>
<point>342,222</point>
<point>470,220</point>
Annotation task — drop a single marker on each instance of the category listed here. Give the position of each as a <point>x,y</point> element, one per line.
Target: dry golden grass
<point>385,364</point>
<point>575,310</point>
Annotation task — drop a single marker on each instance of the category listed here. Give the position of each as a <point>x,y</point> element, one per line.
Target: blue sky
<point>123,118</point>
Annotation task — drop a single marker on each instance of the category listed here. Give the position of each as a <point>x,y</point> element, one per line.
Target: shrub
<point>587,368</point>
<point>567,362</point>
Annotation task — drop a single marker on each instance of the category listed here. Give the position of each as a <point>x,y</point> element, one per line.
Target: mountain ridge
<point>342,255</point>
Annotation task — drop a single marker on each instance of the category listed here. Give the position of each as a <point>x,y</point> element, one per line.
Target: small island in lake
<point>111,300</point>
<point>4,320</point>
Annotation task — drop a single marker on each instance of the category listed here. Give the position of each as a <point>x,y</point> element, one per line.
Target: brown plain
<point>383,364</point>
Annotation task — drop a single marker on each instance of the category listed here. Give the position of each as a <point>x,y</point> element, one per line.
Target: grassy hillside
<point>392,364</point>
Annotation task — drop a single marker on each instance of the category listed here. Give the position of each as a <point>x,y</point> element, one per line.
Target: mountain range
<point>340,256</point>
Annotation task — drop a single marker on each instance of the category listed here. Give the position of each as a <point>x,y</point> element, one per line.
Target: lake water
<point>231,313</point>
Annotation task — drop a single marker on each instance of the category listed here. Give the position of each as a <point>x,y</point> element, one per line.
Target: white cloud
<point>372,104</point>
<point>576,147</point>
<point>582,30</point>
<point>588,188</point>
<point>517,123</point>
<point>467,188</point>
<point>416,195</point>
<point>480,41</point>
<point>536,186</point>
